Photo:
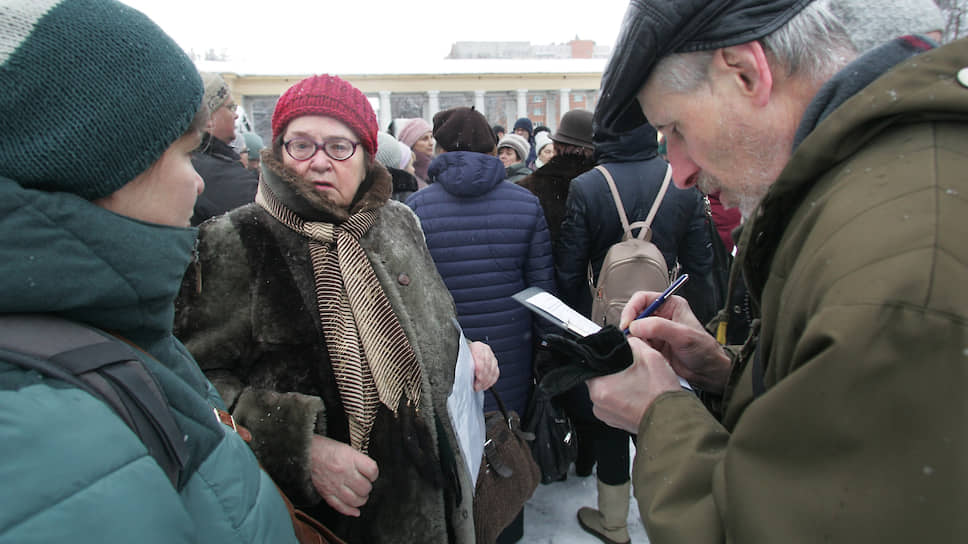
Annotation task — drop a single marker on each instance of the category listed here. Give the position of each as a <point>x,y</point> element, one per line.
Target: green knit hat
<point>92,93</point>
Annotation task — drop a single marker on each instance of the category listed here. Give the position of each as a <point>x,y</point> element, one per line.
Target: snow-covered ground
<point>550,515</point>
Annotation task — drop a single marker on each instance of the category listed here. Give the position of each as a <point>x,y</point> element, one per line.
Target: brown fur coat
<point>254,328</point>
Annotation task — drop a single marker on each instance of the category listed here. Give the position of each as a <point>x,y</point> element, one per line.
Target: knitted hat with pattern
<point>328,96</point>
<point>92,93</point>
<point>216,91</point>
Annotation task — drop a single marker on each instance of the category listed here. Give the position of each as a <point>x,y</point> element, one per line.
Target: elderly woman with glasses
<point>318,313</point>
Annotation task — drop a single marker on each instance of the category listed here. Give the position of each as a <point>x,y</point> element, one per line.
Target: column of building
<point>565,101</point>
<point>433,105</point>
<point>386,116</point>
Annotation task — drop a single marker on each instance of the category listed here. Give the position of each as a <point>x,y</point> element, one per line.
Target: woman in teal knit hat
<point>106,246</point>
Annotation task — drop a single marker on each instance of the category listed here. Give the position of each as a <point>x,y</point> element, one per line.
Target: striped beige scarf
<point>371,356</point>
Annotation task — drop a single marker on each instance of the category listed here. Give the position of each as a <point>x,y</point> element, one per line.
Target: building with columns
<point>502,89</point>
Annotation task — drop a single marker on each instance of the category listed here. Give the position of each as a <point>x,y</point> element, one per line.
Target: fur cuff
<point>282,426</point>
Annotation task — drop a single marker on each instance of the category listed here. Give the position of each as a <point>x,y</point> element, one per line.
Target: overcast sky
<point>318,30</point>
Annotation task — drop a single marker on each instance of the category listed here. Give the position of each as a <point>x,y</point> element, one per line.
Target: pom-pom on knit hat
<point>413,130</point>
<point>91,71</point>
<point>517,143</point>
<point>329,96</point>
<point>463,129</point>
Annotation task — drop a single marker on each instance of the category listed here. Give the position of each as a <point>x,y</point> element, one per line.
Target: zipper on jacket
<point>197,263</point>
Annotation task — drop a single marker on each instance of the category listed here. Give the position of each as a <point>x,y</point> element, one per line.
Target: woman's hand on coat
<point>341,475</point>
<point>486,371</point>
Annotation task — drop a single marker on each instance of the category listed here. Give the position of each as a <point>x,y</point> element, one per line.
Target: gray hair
<point>813,45</point>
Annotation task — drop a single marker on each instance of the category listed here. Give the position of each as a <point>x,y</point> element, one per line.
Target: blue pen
<point>671,290</point>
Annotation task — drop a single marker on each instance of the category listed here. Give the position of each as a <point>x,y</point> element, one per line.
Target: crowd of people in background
<point>339,271</point>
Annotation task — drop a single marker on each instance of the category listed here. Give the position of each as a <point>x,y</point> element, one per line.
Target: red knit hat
<point>329,96</point>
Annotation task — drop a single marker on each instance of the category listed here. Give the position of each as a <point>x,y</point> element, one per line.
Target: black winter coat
<point>228,184</point>
<point>592,224</point>
<point>550,184</point>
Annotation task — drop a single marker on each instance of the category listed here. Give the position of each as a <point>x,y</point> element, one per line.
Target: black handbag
<point>508,475</point>
<point>555,445</point>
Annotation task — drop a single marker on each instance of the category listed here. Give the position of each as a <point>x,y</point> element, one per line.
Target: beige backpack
<point>634,264</point>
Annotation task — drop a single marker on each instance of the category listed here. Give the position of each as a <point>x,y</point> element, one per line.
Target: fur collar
<point>373,193</point>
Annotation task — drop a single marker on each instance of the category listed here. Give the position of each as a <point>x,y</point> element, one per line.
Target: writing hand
<point>674,330</point>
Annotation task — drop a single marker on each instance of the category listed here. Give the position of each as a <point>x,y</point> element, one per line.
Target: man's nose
<point>683,169</point>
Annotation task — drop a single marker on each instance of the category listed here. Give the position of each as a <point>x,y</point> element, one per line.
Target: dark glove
<point>605,352</point>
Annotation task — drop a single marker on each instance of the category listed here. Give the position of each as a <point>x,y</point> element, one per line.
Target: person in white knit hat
<point>542,144</point>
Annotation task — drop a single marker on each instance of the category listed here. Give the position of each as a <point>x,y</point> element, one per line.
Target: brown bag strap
<point>307,529</point>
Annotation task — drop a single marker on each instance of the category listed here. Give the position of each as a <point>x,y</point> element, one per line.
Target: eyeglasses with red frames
<point>303,149</point>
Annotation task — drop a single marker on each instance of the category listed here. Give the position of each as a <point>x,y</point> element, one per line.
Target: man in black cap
<point>838,420</point>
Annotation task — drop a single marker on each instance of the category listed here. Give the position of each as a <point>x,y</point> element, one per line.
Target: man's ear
<point>746,67</point>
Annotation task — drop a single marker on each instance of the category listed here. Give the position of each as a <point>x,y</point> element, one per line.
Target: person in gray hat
<point>573,156</point>
<point>838,420</point>
<point>228,184</point>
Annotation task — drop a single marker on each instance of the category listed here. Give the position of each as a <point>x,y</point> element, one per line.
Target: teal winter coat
<point>71,470</point>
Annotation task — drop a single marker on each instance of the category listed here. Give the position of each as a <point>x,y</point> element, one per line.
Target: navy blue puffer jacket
<point>489,240</point>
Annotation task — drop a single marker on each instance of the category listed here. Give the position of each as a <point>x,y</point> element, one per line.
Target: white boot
<point>608,523</point>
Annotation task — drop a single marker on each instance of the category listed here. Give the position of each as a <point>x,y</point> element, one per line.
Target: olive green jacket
<point>858,259</point>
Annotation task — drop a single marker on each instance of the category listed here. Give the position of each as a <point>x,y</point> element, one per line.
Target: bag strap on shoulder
<point>643,226</point>
<point>104,367</point>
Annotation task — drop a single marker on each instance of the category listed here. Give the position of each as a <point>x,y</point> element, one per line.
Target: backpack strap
<point>617,199</point>
<point>645,232</point>
<point>104,367</point>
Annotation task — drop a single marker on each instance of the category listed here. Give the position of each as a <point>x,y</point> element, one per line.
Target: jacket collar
<point>919,89</point>
<point>217,148</point>
<point>64,255</point>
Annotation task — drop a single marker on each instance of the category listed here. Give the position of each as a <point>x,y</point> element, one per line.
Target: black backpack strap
<point>104,367</point>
